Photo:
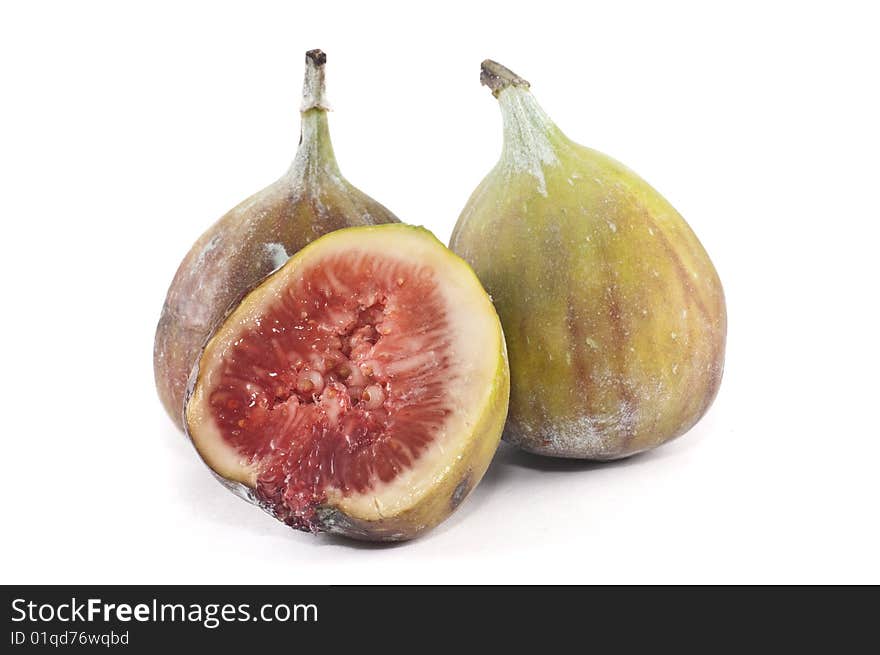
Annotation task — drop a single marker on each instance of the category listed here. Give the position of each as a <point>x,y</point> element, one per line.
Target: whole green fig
<point>613,313</point>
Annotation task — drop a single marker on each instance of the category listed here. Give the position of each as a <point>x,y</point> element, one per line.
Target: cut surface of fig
<point>354,383</point>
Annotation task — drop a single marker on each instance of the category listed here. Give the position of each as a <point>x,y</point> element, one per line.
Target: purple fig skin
<point>254,239</point>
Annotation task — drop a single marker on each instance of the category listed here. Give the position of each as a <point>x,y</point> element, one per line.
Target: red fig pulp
<point>360,389</point>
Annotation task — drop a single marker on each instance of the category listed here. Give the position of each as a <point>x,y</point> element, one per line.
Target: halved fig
<point>360,389</point>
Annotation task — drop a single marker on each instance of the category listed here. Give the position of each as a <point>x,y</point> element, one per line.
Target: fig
<point>361,389</point>
<point>613,313</point>
<point>255,238</point>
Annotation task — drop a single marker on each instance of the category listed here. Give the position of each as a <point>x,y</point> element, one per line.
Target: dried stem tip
<point>314,93</point>
<point>498,77</point>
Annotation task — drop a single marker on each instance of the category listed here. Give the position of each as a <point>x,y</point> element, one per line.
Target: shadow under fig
<point>511,456</point>
<point>328,539</point>
<point>222,507</point>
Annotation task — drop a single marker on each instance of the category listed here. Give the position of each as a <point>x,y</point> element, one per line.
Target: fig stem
<point>498,77</point>
<point>315,148</point>
<point>314,90</point>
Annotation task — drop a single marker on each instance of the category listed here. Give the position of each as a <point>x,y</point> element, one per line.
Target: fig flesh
<point>613,313</point>
<point>361,389</point>
<point>255,238</point>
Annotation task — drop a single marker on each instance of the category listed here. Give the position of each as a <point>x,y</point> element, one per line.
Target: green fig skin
<point>254,239</point>
<point>613,314</point>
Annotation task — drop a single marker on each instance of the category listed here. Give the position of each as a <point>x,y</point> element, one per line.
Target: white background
<point>126,130</point>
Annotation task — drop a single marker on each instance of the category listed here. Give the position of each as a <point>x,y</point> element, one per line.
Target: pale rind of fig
<point>254,239</point>
<point>614,315</point>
